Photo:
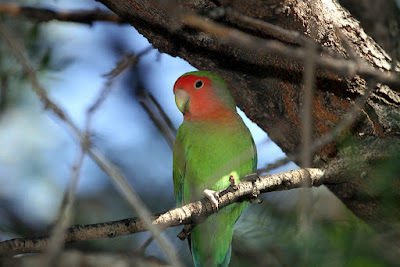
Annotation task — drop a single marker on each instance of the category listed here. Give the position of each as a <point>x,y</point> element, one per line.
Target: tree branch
<point>73,257</point>
<point>187,214</point>
<point>46,14</point>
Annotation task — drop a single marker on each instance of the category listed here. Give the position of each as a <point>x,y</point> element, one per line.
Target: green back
<point>205,154</point>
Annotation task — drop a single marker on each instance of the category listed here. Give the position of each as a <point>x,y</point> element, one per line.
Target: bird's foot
<point>233,186</point>
<point>213,197</point>
<point>185,233</point>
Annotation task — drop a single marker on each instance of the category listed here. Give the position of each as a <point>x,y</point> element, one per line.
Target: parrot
<point>212,145</point>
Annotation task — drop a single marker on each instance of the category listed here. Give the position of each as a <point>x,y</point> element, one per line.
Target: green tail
<point>211,240</point>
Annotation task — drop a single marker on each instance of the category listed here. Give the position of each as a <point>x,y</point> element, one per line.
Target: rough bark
<point>382,22</point>
<point>268,87</point>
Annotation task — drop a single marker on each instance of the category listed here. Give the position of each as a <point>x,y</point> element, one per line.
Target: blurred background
<point>38,151</point>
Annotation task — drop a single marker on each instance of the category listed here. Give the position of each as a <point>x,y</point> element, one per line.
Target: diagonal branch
<point>113,172</point>
<point>157,114</point>
<point>66,212</point>
<point>187,214</point>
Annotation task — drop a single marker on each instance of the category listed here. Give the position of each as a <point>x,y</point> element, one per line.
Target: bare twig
<point>275,165</point>
<point>157,115</point>
<point>113,172</point>
<point>307,116</point>
<point>66,213</point>
<point>267,28</point>
<point>66,210</point>
<point>146,244</point>
<point>345,122</point>
<point>46,14</point>
<point>127,61</point>
<point>187,214</point>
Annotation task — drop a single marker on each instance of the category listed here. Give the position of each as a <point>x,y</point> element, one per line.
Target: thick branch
<point>345,67</point>
<point>187,214</point>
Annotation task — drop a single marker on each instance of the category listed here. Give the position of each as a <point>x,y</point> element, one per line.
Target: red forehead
<point>187,82</point>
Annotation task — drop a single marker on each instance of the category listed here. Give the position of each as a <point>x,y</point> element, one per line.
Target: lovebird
<point>212,145</point>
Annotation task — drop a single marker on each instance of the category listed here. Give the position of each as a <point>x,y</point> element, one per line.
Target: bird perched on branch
<point>212,146</point>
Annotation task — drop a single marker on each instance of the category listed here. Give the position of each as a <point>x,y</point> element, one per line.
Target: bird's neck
<point>217,116</point>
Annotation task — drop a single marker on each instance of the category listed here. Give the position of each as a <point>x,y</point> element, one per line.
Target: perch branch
<point>187,214</point>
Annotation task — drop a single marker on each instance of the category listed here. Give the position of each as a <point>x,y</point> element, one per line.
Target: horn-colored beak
<point>182,100</point>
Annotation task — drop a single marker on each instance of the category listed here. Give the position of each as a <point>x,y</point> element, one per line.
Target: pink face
<point>195,97</point>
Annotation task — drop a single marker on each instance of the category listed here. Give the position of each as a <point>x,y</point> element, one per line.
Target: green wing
<point>179,167</point>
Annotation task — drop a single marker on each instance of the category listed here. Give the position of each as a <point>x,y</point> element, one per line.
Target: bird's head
<point>202,95</point>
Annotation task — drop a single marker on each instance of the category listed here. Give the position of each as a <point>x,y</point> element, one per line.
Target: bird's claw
<point>212,196</point>
<point>233,181</point>
<point>185,233</point>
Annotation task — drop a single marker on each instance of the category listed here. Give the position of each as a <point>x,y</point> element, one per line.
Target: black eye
<point>198,84</point>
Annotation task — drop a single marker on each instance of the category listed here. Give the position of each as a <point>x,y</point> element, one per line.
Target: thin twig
<point>146,244</point>
<point>46,14</point>
<point>292,37</point>
<point>306,112</point>
<point>113,172</point>
<point>345,122</point>
<point>275,165</point>
<point>157,115</point>
<point>307,127</point>
<point>347,119</point>
<point>66,210</point>
<point>127,61</point>
<point>187,214</point>
<point>66,214</point>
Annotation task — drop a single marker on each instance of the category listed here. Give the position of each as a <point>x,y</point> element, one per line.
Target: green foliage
<point>386,179</point>
<point>269,235</point>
